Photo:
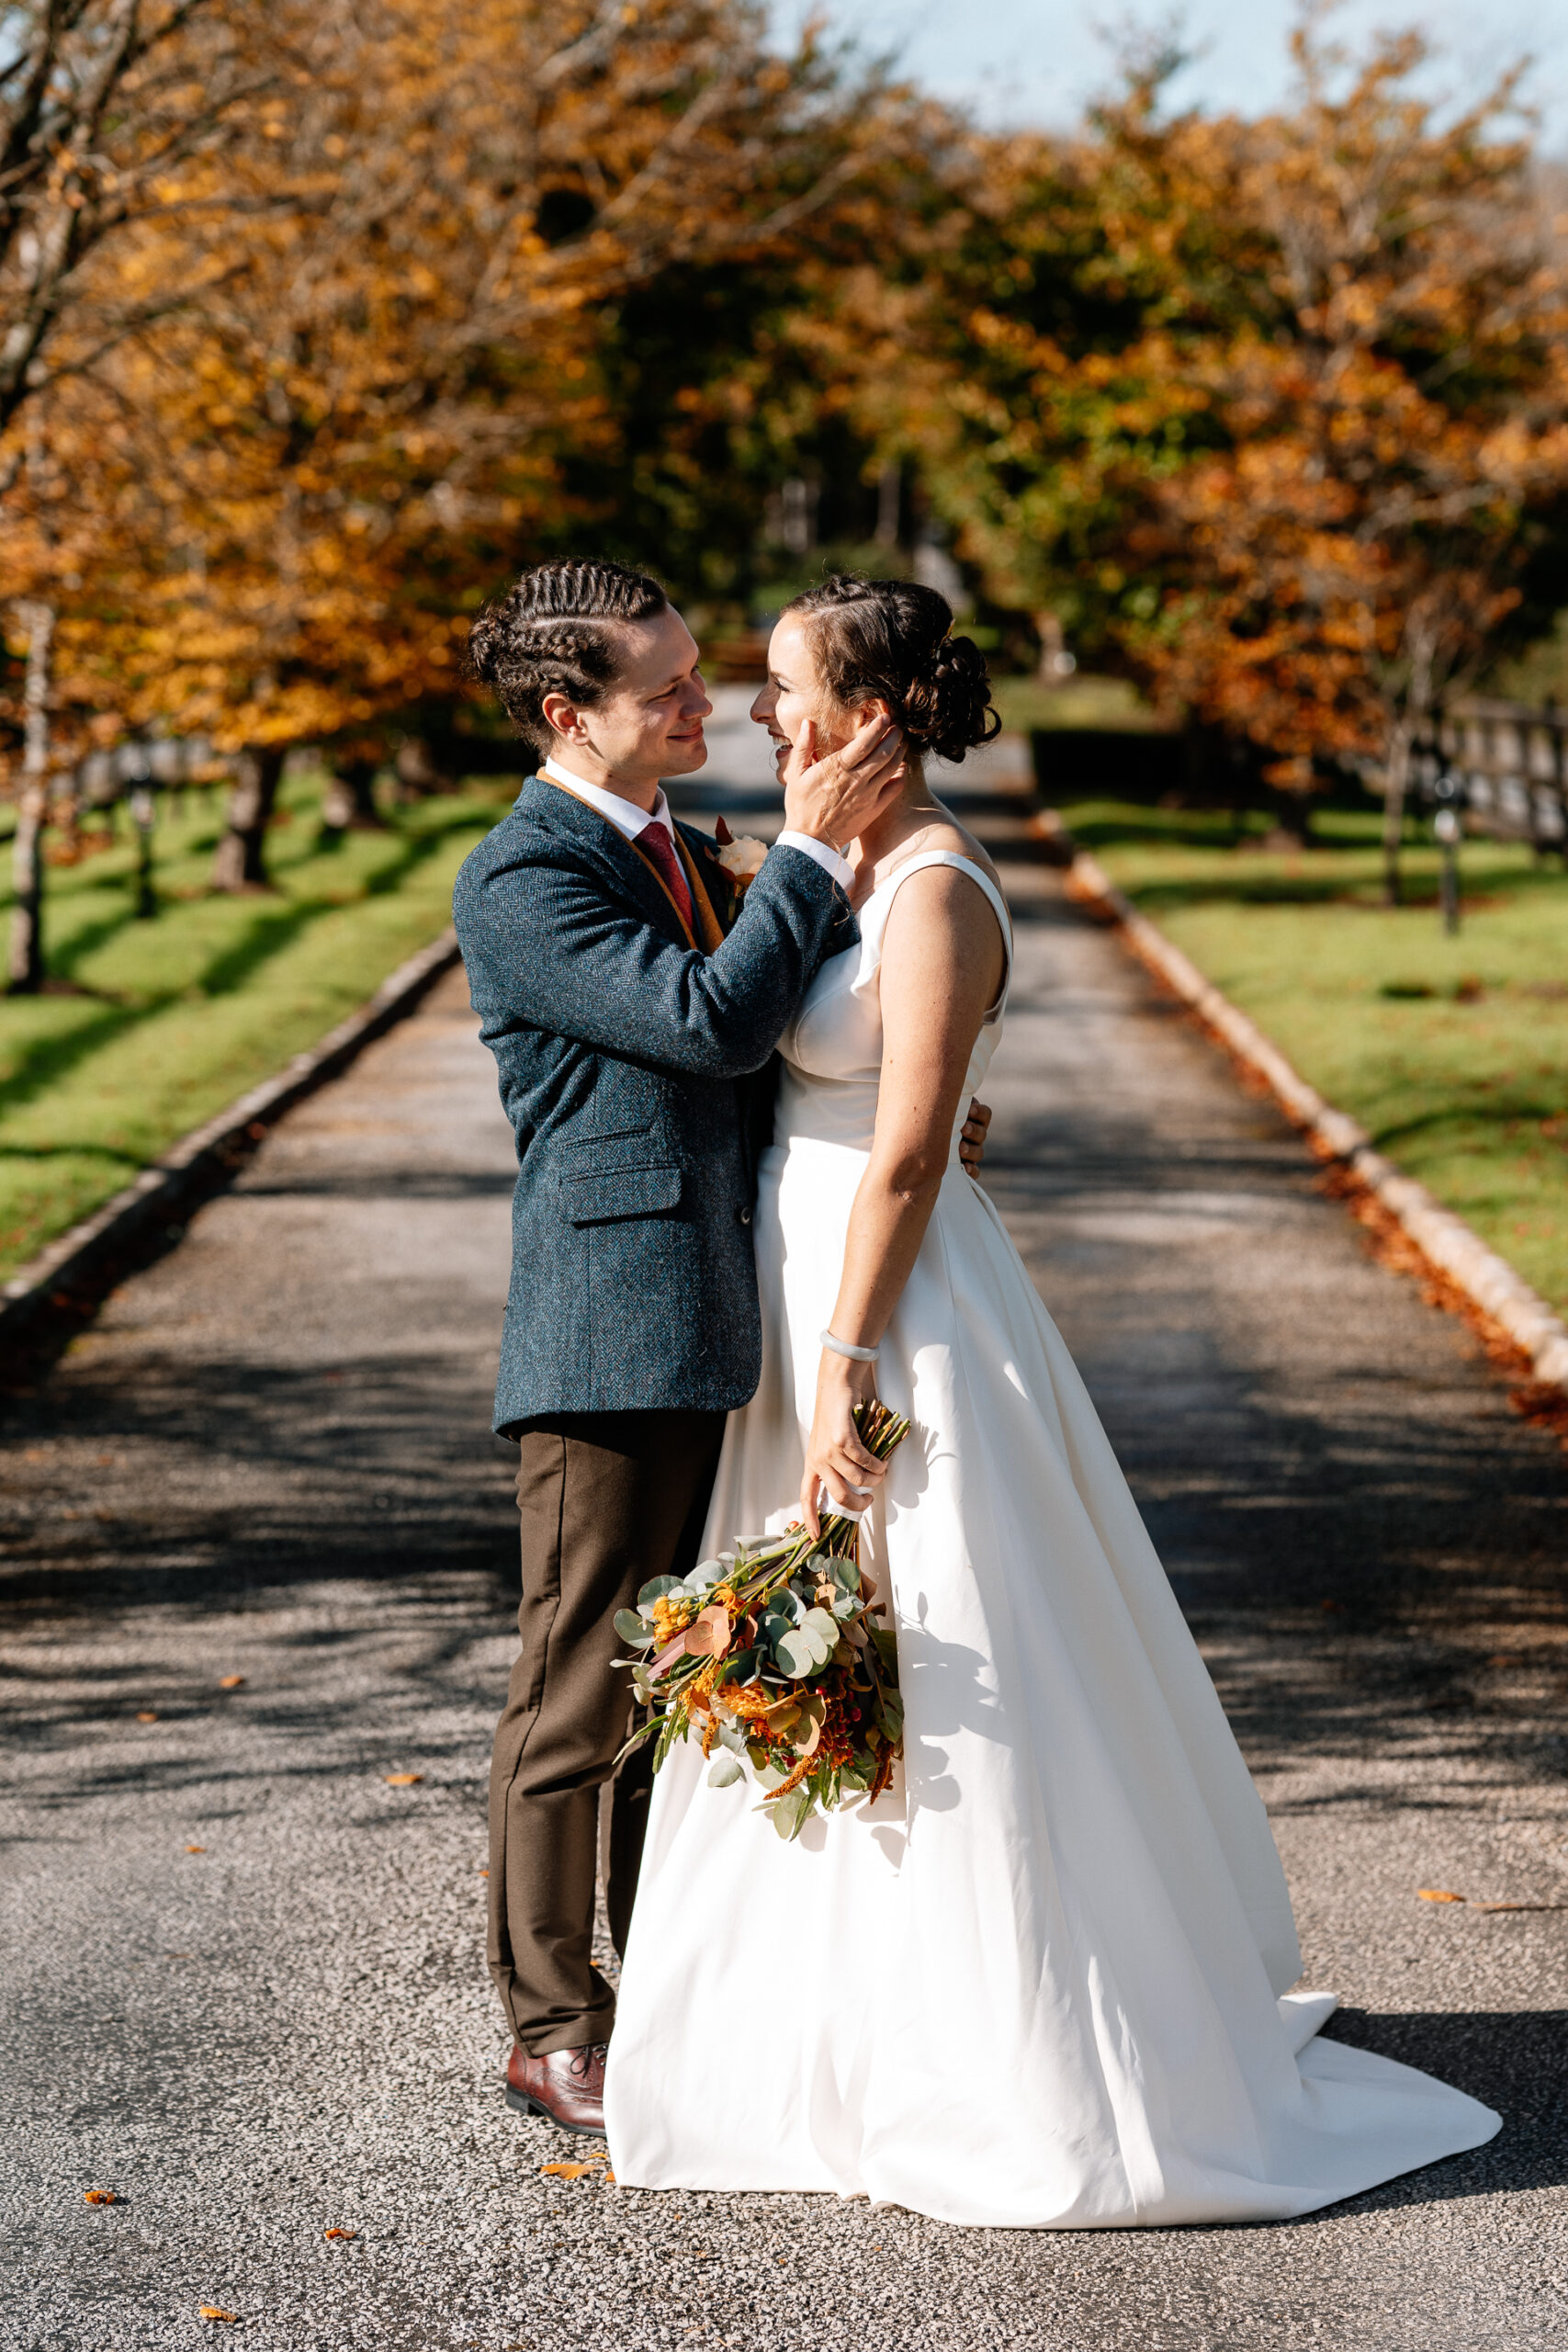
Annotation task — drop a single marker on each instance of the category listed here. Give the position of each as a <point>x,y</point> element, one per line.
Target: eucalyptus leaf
<point>789,1813</point>
<point>656,1592</point>
<point>796,1653</point>
<point>724,1773</point>
<point>823,1627</point>
<point>730,1735</point>
<point>845,1607</point>
<point>633,1628</point>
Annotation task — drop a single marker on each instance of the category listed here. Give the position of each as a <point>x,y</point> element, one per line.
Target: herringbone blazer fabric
<point>631,1070</point>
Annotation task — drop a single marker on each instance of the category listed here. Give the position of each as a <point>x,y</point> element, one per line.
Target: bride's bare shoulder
<point>946,836</point>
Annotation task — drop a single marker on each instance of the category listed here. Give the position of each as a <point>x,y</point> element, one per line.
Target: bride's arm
<point>942,962</point>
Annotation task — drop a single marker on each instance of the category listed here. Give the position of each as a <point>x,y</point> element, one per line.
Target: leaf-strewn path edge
<point>1453,1249</point>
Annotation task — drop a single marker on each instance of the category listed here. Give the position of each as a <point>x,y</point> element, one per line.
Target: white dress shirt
<point>629,820</point>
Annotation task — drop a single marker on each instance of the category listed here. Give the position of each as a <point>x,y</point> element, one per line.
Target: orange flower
<point>671,1618</point>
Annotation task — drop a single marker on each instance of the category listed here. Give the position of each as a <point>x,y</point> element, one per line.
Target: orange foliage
<point>1274,413</point>
<point>285,499</point>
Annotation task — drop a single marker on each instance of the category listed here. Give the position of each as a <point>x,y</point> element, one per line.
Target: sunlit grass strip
<point>173,1018</point>
<point>1451,1053</point>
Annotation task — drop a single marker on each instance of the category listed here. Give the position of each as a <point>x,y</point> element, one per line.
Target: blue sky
<point>1037,60</point>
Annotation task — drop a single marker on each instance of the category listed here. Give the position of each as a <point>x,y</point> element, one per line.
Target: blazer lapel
<point>724,896</point>
<point>561,812</point>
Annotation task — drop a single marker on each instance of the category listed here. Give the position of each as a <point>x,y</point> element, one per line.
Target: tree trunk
<point>1396,778</point>
<point>889,503</point>
<point>241,861</point>
<point>24,969</point>
<point>1052,667</point>
<point>349,802</point>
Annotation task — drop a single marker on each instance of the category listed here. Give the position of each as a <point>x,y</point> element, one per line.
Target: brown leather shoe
<point>566,2086</point>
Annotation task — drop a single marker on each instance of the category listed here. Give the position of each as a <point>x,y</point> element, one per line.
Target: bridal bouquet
<point>770,1654</point>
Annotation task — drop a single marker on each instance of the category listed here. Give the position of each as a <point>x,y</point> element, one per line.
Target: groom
<point>632,994</point>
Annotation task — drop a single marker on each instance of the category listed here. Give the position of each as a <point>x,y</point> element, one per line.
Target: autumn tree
<point>1272,412</point>
<point>112,113</point>
<point>1395,429</point>
<point>408,380</point>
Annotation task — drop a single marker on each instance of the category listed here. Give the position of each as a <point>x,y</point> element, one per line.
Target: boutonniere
<point>742,859</point>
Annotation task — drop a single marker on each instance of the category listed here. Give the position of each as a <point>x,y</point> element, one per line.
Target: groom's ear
<point>562,718</point>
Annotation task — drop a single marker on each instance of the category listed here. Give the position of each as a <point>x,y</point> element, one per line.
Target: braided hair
<point>554,633</point>
<point>891,640</point>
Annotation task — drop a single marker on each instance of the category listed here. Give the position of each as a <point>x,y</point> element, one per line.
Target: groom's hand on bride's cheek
<point>972,1135</point>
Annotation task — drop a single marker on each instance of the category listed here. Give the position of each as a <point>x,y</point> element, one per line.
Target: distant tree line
<point>316,321</point>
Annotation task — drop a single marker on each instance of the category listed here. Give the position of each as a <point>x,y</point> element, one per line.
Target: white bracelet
<point>842,1348</point>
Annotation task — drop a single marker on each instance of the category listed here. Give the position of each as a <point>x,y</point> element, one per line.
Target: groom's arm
<point>548,945</point>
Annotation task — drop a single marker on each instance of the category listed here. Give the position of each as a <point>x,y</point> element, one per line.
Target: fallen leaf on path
<point>215,2311</point>
<point>484,1873</point>
<point>1521,1906</point>
<point>401,1780</point>
<point>577,2172</point>
<point>1438,1895</point>
<point>342,2233</point>
<point>100,2196</point>
<point>231,1682</point>
<point>195,1850</point>
<point>146,1715</point>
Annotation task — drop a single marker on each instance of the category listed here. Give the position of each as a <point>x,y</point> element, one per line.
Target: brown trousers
<point>607,1500</point>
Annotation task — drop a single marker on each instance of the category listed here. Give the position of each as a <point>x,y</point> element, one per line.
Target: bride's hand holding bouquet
<point>837,1460</point>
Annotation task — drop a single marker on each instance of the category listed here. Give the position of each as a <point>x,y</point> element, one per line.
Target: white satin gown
<point>1045,1982</point>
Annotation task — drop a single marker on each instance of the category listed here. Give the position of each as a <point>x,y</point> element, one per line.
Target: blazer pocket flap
<point>625,1192</point>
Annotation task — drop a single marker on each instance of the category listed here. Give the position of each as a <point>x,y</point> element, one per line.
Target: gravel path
<point>244,1984</point>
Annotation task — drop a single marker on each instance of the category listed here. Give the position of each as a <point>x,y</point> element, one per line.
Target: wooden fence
<point>1505,764</point>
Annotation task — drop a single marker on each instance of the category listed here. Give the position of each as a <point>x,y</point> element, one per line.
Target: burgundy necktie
<point>655,845</point>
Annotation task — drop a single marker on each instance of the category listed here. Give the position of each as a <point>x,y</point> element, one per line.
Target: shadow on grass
<point>1464,1109</point>
<point>1252,876</point>
<point>45,1151</point>
<point>272,929</point>
<point>1156,895</point>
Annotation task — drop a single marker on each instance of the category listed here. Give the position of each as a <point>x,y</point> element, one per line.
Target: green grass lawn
<point>1452,1053</point>
<point>171,1019</point>
<point>1083,701</point>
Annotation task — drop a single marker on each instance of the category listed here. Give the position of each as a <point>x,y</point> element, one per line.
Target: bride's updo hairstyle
<point>891,640</point>
<point>554,633</point>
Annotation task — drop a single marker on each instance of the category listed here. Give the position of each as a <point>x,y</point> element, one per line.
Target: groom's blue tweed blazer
<point>627,1068</point>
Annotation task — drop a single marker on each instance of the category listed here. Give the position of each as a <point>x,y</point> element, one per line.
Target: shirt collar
<point>624,815</point>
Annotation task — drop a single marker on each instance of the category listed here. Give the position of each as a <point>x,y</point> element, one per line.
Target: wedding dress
<point>1044,1981</point>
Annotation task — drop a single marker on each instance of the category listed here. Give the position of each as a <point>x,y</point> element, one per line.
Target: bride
<point>1044,1980</point>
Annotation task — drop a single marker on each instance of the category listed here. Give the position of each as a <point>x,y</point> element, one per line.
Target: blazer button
<point>744,1214</point>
